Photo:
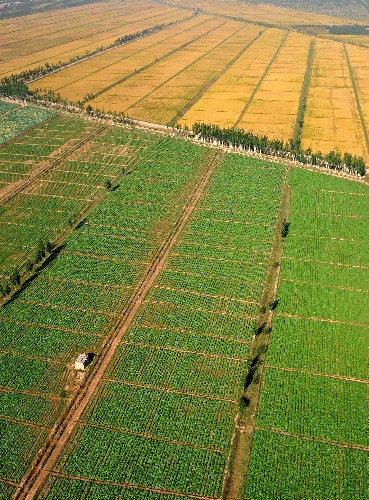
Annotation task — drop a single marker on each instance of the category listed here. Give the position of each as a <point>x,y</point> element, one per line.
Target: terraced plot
<point>313,407</point>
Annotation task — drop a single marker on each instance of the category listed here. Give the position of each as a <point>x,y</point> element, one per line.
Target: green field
<point>164,418</point>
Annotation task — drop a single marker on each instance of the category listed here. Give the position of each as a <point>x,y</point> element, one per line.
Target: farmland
<point>238,71</point>
<point>314,391</point>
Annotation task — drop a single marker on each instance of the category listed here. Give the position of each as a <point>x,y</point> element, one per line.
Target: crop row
<point>198,421</point>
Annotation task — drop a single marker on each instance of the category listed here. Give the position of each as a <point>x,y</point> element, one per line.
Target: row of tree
<point>243,140</point>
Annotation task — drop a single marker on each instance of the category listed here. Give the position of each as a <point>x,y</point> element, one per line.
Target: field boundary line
<point>184,351</point>
<point>205,54</point>
<point>303,95</point>
<point>24,422</point>
<point>221,313</point>
<point>215,259</point>
<point>29,393</point>
<point>314,438</point>
<point>169,391</point>
<point>48,327</point>
<point>35,478</point>
<point>132,486</point>
<point>357,99</point>
<point>146,435</point>
<point>210,84</point>
<point>152,63</point>
<point>66,308</point>
<point>10,483</point>
<point>339,264</point>
<point>317,374</point>
<point>29,356</point>
<point>204,294</point>
<point>266,71</point>
<point>328,285</point>
<point>323,320</point>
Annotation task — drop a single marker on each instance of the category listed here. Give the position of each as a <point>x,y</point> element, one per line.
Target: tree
<point>108,185</point>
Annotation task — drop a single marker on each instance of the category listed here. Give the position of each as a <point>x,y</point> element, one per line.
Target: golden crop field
<point>103,70</point>
<point>226,100</point>
<point>332,120</point>
<point>262,13</point>
<point>74,31</point>
<point>273,109</point>
<point>213,66</point>
<point>165,102</point>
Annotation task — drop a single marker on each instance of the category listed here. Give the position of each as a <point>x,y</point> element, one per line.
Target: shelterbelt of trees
<point>242,139</point>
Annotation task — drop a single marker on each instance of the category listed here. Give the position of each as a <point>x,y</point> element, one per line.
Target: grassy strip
<point>185,68</point>
<point>261,80</point>
<point>303,97</point>
<point>90,97</point>
<point>211,82</point>
<point>236,478</point>
<point>358,105</point>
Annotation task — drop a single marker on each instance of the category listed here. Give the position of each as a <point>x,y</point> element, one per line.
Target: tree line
<point>243,140</point>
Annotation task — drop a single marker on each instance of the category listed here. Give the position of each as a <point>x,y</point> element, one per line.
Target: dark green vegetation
<point>161,422</point>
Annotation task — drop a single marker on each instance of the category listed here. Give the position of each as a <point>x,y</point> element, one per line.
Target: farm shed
<point>82,361</point>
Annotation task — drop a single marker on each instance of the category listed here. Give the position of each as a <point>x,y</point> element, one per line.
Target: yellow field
<point>268,14</point>
<point>101,71</point>
<point>225,101</point>
<point>355,39</point>
<point>74,31</point>
<point>165,103</point>
<point>207,68</point>
<point>332,120</point>
<point>273,110</point>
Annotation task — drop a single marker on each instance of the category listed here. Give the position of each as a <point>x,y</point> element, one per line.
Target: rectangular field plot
<point>139,461</point>
<point>332,120</point>
<point>286,466</point>
<point>273,109</point>
<point>313,405</point>
<point>224,102</point>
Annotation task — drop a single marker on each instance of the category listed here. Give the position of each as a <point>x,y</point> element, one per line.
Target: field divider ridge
<point>234,482</point>
<point>34,480</point>
<point>303,96</point>
<point>357,99</point>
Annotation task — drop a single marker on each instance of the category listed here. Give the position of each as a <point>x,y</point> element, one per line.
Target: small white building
<point>82,362</point>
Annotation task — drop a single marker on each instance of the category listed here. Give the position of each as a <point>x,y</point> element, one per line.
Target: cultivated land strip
<point>152,63</point>
<point>239,119</point>
<point>205,54</point>
<point>36,478</point>
<point>198,96</point>
<point>318,374</point>
<point>246,424</point>
<point>357,99</point>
